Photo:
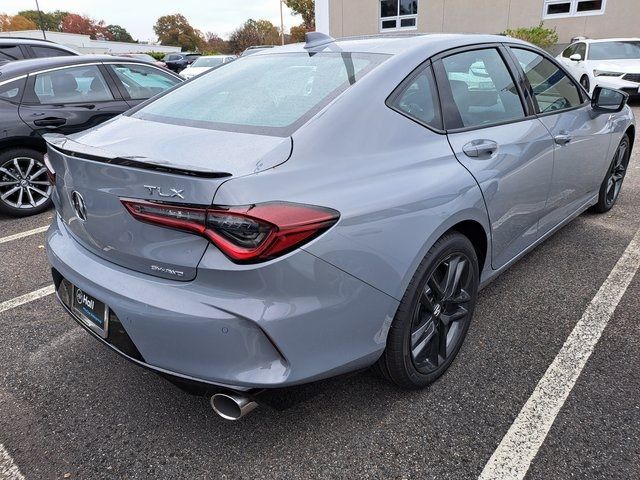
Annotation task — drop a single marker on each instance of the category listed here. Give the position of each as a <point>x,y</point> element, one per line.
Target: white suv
<point>611,63</point>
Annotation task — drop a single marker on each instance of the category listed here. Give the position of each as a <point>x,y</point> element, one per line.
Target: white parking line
<point>8,469</point>
<point>23,234</point>
<point>26,298</point>
<point>514,455</point>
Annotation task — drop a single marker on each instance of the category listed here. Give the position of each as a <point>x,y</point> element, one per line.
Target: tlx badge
<point>173,192</point>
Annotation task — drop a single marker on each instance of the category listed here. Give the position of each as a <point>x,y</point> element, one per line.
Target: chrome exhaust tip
<point>232,406</point>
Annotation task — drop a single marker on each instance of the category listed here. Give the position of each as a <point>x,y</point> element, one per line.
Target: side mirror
<point>576,57</point>
<point>608,100</point>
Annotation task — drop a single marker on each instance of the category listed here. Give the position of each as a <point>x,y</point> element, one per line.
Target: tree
<point>254,32</point>
<point>74,23</point>
<point>50,21</point>
<point>119,34</point>
<point>10,23</point>
<point>306,9</point>
<point>176,30</point>
<point>215,44</point>
<point>296,34</point>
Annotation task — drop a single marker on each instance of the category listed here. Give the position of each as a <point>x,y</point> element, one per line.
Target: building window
<point>398,15</point>
<point>572,8</point>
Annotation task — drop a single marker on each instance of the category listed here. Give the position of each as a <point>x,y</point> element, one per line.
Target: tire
<point>24,187</point>
<point>612,183</point>
<point>433,311</point>
<point>584,81</point>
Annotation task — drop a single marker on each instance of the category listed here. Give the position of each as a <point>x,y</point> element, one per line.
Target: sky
<point>139,16</point>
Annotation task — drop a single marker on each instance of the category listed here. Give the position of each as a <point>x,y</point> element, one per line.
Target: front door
<point>69,100</point>
<point>509,152</point>
<point>581,138</point>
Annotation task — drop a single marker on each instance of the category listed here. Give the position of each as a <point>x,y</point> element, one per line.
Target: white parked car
<point>204,64</point>
<point>611,63</point>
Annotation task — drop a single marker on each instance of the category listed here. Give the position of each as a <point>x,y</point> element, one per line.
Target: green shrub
<point>157,55</point>
<point>540,35</point>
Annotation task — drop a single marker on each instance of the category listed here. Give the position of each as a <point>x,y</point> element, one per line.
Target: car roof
<point>34,41</point>
<point>391,44</point>
<point>602,40</point>
<point>23,67</point>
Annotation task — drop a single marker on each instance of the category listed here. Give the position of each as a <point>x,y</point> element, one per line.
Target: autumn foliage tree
<point>176,30</point>
<point>254,32</point>
<point>215,44</point>
<point>50,21</point>
<point>14,23</point>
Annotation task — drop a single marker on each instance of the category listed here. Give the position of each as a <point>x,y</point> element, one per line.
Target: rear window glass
<point>266,94</point>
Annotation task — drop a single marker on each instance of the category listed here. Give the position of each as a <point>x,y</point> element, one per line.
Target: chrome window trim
<point>13,79</point>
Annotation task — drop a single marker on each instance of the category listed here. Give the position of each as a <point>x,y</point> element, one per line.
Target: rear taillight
<point>51,173</point>
<point>246,234</point>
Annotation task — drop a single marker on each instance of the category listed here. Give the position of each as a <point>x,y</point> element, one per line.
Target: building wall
<point>361,17</point>
<point>84,44</point>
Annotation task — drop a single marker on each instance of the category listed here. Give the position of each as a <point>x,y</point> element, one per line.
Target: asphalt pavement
<point>70,408</point>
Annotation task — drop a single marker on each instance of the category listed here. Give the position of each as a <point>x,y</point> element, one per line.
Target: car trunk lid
<point>94,175</point>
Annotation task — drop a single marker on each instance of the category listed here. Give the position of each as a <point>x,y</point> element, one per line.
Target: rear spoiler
<point>66,146</point>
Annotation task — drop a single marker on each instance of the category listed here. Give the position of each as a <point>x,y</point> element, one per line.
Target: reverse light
<point>51,173</point>
<point>605,73</point>
<point>245,234</point>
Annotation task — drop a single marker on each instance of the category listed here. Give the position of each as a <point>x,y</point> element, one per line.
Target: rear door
<point>581,138</point>
<point>495,135</point>
<point>138,83</point>
<point>70,99</point>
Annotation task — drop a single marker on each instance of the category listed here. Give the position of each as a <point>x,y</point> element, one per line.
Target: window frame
<point>63,53</point>
<point>23,88</point>
<point>584,96</point>
<point>408,80</point>
<point>30,98</point>
<point>124,93</point>
<point>450,113</point>
<point>573,9</point>
<point>398,19</point>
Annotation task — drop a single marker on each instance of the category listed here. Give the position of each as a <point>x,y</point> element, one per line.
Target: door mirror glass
<point>608,100</point>
<point>576,57</point>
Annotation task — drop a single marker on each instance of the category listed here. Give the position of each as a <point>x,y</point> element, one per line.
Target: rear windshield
<point>614,51</point>
<point>271,94</point>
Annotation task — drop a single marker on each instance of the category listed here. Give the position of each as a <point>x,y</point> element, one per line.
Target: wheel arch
<point>477,234</point>
<point>35,143</point>
<point>631,132</point>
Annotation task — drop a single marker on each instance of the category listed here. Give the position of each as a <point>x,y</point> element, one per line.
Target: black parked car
<point>63,95</point>
<point>14,48</point>
<point>179,61</point>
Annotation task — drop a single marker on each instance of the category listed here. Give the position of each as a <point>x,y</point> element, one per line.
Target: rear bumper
<point>292,321</point>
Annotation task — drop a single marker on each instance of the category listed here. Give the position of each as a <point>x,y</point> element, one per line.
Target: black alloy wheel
<point>434,314</point>
<point>442,314</point>
<point>612,183</point>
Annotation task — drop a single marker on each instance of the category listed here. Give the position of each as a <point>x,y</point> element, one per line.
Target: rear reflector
<point>245,234</point>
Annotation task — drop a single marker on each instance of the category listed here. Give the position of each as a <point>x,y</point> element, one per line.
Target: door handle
<point>562,139</point>
<point>50,122</point>
<point>480,148</point>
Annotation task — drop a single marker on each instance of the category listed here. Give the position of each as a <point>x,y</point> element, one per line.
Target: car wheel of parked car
<point>612,183</point>
<point>434,314</point>
<point>24,187</point>
<point>584,81</point>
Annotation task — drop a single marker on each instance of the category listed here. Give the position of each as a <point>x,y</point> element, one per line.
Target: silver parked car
<point>331,205</point>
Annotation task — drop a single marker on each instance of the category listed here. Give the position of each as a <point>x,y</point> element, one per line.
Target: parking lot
<point>70,408</point>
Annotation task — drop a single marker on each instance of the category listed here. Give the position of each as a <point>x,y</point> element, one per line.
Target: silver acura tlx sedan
<point>314,209</point>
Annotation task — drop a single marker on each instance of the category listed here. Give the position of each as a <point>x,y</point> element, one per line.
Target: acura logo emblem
<point>79,206</point>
